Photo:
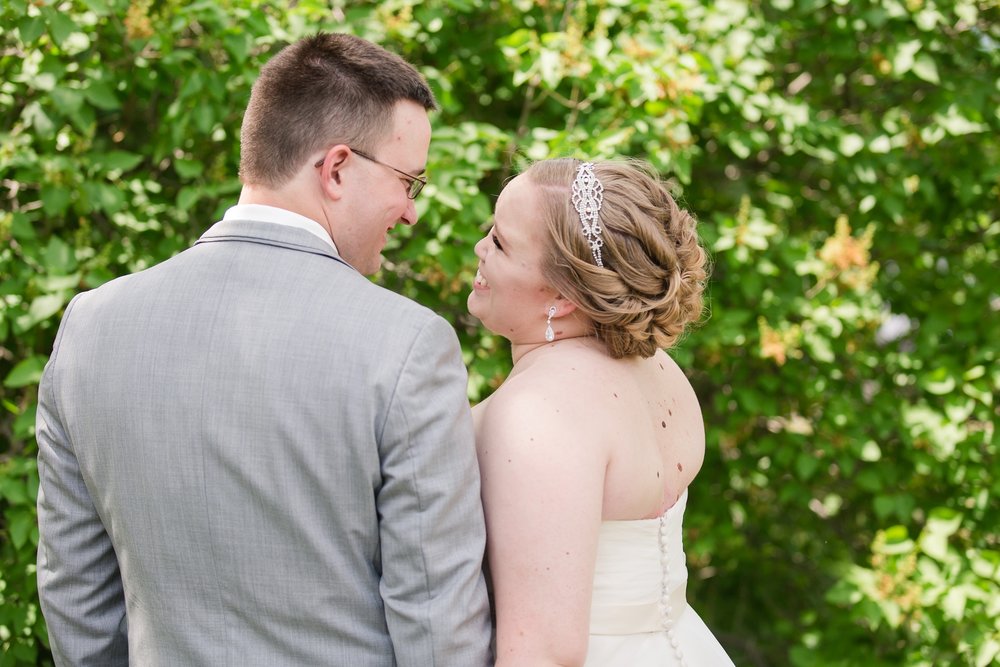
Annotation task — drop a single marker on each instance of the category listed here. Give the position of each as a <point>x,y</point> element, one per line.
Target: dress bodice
<point>639,614</point>
<point>640,577</point>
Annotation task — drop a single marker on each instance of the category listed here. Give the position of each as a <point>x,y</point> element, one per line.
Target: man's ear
<point>330,172</point>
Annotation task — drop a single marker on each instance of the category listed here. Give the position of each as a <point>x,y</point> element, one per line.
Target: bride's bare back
<point>640,418</point>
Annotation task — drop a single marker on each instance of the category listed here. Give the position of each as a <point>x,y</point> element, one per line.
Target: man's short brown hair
<point>320,91</point>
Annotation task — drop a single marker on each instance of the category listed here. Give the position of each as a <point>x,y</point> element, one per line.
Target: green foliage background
<point>843,159</point>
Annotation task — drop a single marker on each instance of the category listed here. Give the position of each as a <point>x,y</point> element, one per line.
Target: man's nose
<point>410,214</point>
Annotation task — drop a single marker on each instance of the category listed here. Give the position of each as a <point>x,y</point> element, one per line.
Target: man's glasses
<point>414,184</point>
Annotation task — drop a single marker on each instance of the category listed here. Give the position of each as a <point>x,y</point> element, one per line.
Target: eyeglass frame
<point>416,183</point>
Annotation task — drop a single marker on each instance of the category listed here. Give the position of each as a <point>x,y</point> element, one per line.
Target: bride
<point>588,448</point>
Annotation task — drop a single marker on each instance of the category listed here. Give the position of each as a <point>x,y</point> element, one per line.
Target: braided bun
<point>650,287</point>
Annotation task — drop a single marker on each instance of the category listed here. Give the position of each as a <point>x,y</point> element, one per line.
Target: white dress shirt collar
<point>278,216</point>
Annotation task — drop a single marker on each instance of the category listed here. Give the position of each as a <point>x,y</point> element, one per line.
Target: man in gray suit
<point>250,454</point>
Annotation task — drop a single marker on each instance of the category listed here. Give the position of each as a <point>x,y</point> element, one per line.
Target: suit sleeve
<point>431,519</point>
<point>79,583</point>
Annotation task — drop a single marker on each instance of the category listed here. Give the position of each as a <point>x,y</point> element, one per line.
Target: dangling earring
<point>549,334</point>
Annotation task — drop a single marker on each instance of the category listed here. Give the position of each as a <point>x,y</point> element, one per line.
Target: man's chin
<point>371,266</point>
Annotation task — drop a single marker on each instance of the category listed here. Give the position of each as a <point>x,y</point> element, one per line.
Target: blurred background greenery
<point>842,157</point>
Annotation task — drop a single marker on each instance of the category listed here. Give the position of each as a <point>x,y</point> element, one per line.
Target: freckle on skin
<point>662,368</point>
<point>670,412</point>
<point>680,468</point>
<point>663,424</point>
<point>614,394</point>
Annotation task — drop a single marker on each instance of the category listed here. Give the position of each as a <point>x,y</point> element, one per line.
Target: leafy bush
<point>842,156</point>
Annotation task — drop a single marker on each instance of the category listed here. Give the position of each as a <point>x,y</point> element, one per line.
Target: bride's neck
<point>526,354</point>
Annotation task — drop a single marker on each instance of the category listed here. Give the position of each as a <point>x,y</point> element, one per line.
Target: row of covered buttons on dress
<point>666,605</point>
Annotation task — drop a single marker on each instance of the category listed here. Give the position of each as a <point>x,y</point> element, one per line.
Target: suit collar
<point>266,213</point>
<point>269,233</point>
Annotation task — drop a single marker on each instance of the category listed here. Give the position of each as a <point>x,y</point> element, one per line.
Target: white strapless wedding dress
<point>639,615</point>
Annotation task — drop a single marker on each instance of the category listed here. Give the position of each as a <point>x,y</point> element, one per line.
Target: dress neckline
<point>681,502</point>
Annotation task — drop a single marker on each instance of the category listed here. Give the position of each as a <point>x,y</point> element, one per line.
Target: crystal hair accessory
<point>588,196</point>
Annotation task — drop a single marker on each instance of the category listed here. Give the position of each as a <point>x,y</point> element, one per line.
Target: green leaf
<point>939,382</point>
<point>974,373</point>
<point>897,541</point>
<point>957,124</point>
<point>192,85</point>
<point>187,196</point>
<point>884,506</point>
<point>68,100</point>
<point>188,169</point>
<point>871,451</point>
<point>806,465</point>
<point>987,652</point>
<point>30,28</point>
<point>850,144</point>
<point>941,525</point>
<point>55,200</point>
<point>22,229</point>
<point>57,283</point>
<point>26,372</point>
<point>931,572</point>
<point>880,144</point>
<point>237,45</point>
<point>102,96</point>
<point>449,199</point>
<point>20,523</point>
<point>60,25</point>
<point>43,307</point>
<point>819,346</point>
<point>953,603</point>
<point>13,490</point>
<point>986,564</point>
<point>203,118</point>
<point>104,197</point>
<point>891,611</point>
<point>905,52</point>
<point>99,7</point>
<point>550,66</point>
<point>83,118</point>
<point>944,521</point>
<point>928,19</point>
<point>925,67</point>
<point>34,117</point>
<point>59,257</point>
<point>117,160</point>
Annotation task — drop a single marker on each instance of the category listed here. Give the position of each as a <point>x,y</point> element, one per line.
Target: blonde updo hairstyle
<point>650,287</point>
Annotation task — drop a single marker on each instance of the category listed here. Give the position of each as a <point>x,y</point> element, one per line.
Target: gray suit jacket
<point>252,455</point>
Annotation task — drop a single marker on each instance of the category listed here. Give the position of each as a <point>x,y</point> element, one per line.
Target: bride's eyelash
<point>496,242</point>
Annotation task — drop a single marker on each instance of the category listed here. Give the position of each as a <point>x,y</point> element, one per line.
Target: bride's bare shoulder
<point>558,394</point>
